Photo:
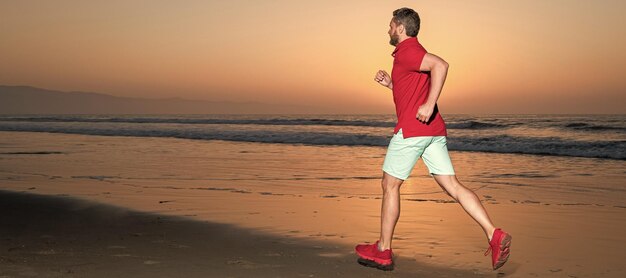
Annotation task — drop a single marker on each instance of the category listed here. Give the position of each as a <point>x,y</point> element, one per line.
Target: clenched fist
<point>383,78</point>
<point>424,112</point>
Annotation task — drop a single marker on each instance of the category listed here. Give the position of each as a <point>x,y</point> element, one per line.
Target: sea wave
<point>463,124</point>
<point>615,149</point>
<point>475,125</point>
<point>177,120</point>
<point>593,127</point>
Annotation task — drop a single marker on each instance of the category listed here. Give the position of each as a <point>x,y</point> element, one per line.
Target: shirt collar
<point>404,43</point>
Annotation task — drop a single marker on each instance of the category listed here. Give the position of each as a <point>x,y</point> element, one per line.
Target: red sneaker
<point>499,247</point>
<point>369,255</point>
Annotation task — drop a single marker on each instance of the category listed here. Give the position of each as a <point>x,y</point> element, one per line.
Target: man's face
<point>393,33</point>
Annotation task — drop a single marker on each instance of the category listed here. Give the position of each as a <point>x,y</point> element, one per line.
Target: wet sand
<point>48,236</point>
<point>566,214</point>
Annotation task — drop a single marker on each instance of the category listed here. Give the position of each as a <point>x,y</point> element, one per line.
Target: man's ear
<point>400,29</point>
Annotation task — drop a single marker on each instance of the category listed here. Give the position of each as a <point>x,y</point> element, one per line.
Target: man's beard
<point>393,39</point>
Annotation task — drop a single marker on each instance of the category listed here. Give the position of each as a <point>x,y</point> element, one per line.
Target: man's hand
<point>424,112</point>
<point>383,78</point>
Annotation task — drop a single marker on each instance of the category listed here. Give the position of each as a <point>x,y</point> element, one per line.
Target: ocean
<point>593,136</point>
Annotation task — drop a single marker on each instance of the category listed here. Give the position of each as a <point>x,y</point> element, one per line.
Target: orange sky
<point>558,56</point>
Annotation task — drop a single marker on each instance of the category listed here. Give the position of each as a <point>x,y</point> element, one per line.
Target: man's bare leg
<point>468,200</point>
<point>390,210</point>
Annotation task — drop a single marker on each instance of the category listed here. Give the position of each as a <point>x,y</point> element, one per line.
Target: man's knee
<point>390,182</point>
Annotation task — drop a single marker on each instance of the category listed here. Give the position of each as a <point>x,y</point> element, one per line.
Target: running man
<point>416,80</point>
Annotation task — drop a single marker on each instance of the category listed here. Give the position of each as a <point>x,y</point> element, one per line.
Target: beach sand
<point>48,236</point>
<point>93,206</point>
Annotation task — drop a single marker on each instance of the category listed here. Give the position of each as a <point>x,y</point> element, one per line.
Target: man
<point>416,80</point>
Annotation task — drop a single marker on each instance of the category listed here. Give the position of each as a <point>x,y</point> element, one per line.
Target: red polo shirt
<point>410,90</point>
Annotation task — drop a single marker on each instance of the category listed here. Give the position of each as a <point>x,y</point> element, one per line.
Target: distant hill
<point>31,100</point>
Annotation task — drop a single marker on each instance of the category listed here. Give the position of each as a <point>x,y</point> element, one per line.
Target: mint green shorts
<point>402,154</point>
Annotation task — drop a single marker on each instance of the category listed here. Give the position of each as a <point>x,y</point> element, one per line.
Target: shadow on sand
<point>58,236</point>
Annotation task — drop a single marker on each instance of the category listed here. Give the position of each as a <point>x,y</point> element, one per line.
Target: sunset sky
<point>558,56</point>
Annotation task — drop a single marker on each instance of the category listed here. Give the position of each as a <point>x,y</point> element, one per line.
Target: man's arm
<point>438,71</point>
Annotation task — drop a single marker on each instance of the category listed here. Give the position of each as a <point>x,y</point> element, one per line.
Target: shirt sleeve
<point>415,58</point>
